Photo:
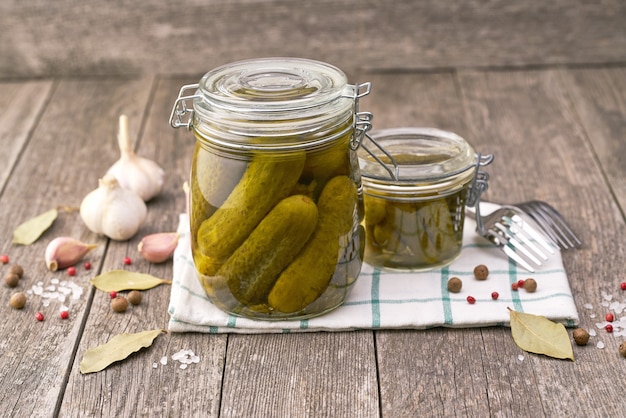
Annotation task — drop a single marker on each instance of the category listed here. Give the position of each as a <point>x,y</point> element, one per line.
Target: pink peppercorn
<point>520,283</point>
<point>622,285</point>
<point>495,295</point>
<point>39,316</point>
<point>4,259</point>
<point>514,286</point>
<point>609,317</point>
<point>65,314</point>
<point>87,265</point>
<point>128,261</point>
<point>608,328</point>
<point>113,294</point>
<point>71,271</point>
<point>471,300</point>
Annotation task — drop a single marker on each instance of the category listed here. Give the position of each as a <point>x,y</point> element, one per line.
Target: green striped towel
<point>393,300</point>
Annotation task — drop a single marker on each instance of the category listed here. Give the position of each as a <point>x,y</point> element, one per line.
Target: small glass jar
<point>415,220</point>
<point>275,198</point>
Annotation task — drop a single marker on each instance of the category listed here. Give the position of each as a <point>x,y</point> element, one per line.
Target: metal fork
<point>552,223</point>
<point>513,231</point>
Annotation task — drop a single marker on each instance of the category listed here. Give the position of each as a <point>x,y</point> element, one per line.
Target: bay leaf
<point>537,334</point>
<point>126,280</point>
<point>116,349</point>
<point>29,231</point>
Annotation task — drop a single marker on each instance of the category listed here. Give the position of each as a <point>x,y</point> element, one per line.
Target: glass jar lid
<point>272,85</point>
<point>429,161</point>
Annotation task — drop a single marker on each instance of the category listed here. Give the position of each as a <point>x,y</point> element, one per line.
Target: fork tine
<point>515,257</point>
<point>536,236</point>
<point>523,246</point>
<point>543,212</point>
<point>508,245</point>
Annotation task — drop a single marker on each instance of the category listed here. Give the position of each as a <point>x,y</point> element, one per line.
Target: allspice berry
<point>18,300</point>
<point>119,304</point>
<point>455,284</point>
<point>530,285</point>
<point>11,279</point>
<point>581,336</point>
<point>17,270</point>
<point>481,272</point>
<point>134,297</point>
<point>622,348</point>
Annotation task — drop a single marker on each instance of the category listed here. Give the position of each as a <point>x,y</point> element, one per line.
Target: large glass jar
<point>275,186</point>
<point>415,200</point>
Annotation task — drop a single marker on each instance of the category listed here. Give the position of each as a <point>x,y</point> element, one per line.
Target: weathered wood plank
<point>295,375</point>
<point>599,98</point>
<point>59,165</point>
<point>20,105</point>
<point>134,387</point>
<point>169,38</point>
<point>527,120</point>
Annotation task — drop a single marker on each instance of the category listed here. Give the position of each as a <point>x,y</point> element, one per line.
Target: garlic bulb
<point>141,175</point>
<point>112,210</point>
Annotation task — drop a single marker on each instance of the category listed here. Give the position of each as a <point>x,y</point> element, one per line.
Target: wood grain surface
<point>541,85</point>
<point>71,37</point>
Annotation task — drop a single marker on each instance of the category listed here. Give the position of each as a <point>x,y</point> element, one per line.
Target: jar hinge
<point>362,124</point>
<point>180,108</point>
<point>480,182</point>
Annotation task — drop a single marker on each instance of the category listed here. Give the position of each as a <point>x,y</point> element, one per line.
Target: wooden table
<point>557,129</point>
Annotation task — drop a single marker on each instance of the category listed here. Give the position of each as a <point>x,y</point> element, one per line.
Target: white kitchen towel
<point>394,300</point>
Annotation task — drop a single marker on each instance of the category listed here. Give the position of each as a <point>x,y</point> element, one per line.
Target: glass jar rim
<point>421,154</point>
<point>429,161</point>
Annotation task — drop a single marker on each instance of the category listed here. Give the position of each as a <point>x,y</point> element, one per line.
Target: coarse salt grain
<point>600,344</point>
<point>588,306</point>
<point>185,357</point>
<point>606,296</point>
<point>520,357</point>
<point>592,332</point>
<point>164,360</point>
<point>154,365</point>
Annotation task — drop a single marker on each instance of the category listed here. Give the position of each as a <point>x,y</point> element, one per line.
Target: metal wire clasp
<point>362,124</point>
<point>180,108</point>
<point>480,182</point>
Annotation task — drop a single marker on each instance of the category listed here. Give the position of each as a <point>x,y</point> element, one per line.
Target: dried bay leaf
<point>29,231</point>
<point>116,349</point>
<point>537,334</point>
<point>126,280</point>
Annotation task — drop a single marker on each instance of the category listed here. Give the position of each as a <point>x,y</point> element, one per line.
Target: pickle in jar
<point>254,267</point>
<point>307,277</point>
<point>268,179</point>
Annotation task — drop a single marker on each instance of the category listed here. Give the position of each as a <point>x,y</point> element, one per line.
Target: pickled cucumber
<point>307,277</point>
<point>267,180</point>
<point>412,234</point>
<point>325,164</point>
<point>253,268</point>
<point>213,177</point>
<point>435,230</point>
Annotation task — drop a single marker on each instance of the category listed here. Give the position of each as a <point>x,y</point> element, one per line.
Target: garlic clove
<point>112,210</point>
<point>141,175</point>
<point>158,247</point>
<point>63,252</point>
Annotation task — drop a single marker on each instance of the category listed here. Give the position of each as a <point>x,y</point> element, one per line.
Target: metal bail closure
<point>180,108</point>
<point>480,182</point>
